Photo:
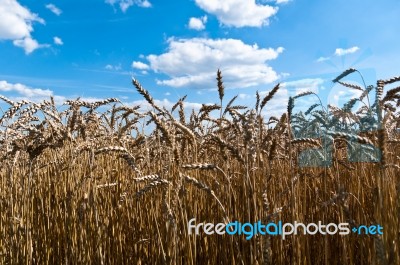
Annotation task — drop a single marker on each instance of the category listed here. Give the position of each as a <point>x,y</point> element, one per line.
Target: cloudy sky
<point>93,48</point>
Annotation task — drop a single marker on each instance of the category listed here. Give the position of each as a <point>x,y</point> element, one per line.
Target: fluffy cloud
<point>16,25</point>
<point>125,4</point>
<point>194,62</point>
<point>29,44</point>
<point>20,91</point>
<point>197,23</point>
<point>58,41</point>
<point>140,65</point>
<point>16,20</point>
<point>238,13</point>
<point>54,9</point>
<point>341,52</point>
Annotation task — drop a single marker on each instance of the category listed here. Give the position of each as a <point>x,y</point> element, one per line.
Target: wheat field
<point>105,183</point>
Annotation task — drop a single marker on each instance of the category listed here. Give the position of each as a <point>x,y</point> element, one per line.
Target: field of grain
<point>105,183</point>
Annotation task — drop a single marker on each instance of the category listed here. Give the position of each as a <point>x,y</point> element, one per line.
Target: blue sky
<point>92,48</point>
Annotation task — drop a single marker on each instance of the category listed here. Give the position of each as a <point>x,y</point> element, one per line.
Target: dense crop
<point>105,183</point>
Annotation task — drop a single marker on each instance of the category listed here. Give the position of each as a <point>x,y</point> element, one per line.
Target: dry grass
<point>88,185</point>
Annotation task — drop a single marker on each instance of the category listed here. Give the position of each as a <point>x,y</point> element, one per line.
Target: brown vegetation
<point>89,185</point>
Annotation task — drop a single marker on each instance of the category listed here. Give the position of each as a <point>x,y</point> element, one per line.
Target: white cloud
<point>197,23</point>
<point>54,9</point>
<point>323,59</point>
<point>194,62</point>
<point>296,87</point>
<point>16,25</point>
<point>58,41</point>
<point>125,4</point>
<point>238,13</point>
<point>16,20</point>
<point>341,52</point>
<point>339,95</point>
<point>280,2</point>
<point>163,103</point>
<point>140,65</point>
<point>303,85</point>
<point>29,44</point>
<point>145,4</point>
<point>113,67</point>
<point>244,96</point>
<point>284,75</point>
<point>277,105</point>
<point>20,91</point>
